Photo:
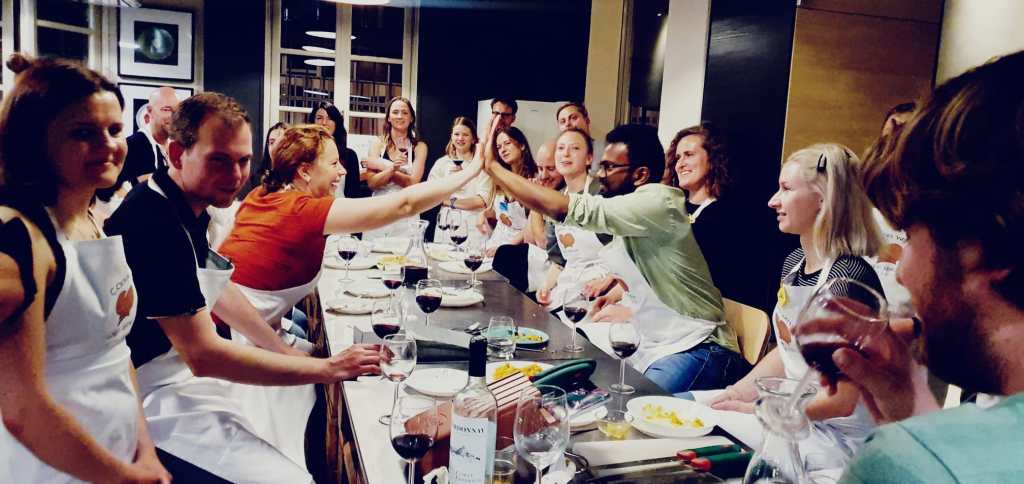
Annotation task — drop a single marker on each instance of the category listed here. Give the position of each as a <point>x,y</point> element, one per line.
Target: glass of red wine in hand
<point>624,337</point>
<point>843,313</point>
<point>414,420</point>
<point>575,309</point>
<point>428,297</point>
<point>348,249</point>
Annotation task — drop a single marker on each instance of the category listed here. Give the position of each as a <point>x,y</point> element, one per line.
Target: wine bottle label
<point>471,458</point>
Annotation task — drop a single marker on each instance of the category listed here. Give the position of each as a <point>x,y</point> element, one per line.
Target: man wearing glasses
<point>654,256</point>
<point>505,110</point>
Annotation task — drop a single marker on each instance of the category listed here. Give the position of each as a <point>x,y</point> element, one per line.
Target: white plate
<point>684,409</point>
<point>371,288</point>
<point>516,363</point>
<point>460,298</point>
<point>358,264</point>
<point>457,267</point>
<point>390,245</point>
<point>438,382</point>
<point>350,305</point>
<point>588,418</point>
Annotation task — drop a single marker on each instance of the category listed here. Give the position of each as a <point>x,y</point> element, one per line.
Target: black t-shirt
<point>162,259</point>
<point>721,243</point>
<point>354,188</point>
<point>850,267</point>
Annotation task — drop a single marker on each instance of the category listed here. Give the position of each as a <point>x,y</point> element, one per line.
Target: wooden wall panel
<point>848,70</point>
<point>922,10</point>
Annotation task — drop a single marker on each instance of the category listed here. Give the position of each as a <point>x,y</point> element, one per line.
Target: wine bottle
<point>474,423</point>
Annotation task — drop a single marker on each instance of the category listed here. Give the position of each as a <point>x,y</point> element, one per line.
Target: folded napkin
<point>618,451</point>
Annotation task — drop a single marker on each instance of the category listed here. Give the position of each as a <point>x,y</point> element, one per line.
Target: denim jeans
<point>706,366</point>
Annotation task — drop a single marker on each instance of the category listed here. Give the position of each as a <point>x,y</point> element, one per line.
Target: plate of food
<point>460,298</point>
<point>371,288</point>
<point>438,382</point>
<point>670,417</point>
<point>441,252</point>
<point>391,245</point>
<point>497,370</point>
<point>350,305</point>
<point>358,264</point>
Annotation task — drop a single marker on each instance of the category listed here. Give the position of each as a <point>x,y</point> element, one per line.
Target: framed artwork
<point>155,43</point>
<point>136,97</point>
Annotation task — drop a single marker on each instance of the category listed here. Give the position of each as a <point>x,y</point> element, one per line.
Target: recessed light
<point>322,34</point>
<point>319,62</point>
<point>353,37</point>
<point>313,48</point>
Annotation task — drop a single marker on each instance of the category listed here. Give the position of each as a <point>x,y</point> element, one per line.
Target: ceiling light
<point>129,45</point>
<point>315,93</point>
<point>353,37</point>
<point>313,48</point>
<point>322,34</point>
<point>319,62</point>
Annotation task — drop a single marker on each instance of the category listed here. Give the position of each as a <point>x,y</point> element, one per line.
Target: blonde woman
<point>461,149</point>
<point>397,159</point>
<point>820,199</point>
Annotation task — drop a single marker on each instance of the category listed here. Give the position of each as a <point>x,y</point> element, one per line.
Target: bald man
<point>147,147</point>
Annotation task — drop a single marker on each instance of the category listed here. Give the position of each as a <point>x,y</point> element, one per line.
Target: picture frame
<point>136,96</point>
<point>155,43</point>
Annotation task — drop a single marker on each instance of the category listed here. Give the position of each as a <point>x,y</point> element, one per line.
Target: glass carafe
<point>416,266</point>
<point>778,461</point>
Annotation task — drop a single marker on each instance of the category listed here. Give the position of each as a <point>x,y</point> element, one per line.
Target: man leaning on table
<point>955,182</point>
<point>679,311</point>
<point>185,368</point>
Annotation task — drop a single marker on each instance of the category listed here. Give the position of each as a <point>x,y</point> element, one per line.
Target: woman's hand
<point>544,295</point>
<point>611,313</point>
<point>600,286</point>
<point>490,251</point>
<point>357,360</point>
<point>736,398</point>
<point>482,224</point>
<point>148,465</point>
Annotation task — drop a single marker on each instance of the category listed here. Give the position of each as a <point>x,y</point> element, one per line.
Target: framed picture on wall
<point>155,43</point>
<point>136,96</point>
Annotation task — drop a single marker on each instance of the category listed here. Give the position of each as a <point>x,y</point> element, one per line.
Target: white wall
<point>974,31</point>
<point>685,59</point>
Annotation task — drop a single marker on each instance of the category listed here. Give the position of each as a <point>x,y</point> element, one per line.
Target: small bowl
<point>615,424</point>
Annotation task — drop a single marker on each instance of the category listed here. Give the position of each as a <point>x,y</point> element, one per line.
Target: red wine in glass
<point>414,274</point>
<point>624,349</point>
<point>347,254</point>
<point>817,350</point>
<point>473,262</point>
<point>457,162</point>
<point>428,302</point>
<point>443,226</point>
<point>384,329</point>
<point>575,313</point>
<point>392,282</point>
<point>459,239</point>
<point>412,446</point>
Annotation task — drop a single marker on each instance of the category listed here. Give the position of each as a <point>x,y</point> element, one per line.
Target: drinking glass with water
<point>501,337</point>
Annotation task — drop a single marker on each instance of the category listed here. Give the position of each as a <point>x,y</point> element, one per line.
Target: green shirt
<point>966,444</point>
<point>655,228</point>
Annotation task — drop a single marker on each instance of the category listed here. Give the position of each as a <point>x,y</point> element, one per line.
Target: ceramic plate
<point>358,264</point>
<point>390,245</point>
<point>350,305</point>
<point>530,337</point>
<point>588,417</point>
<point>653,416</point>
<point>370,288</point>
<point>437,382</point>
<point>493,366</point>
<point>457,267</point>
<point>455,298</point>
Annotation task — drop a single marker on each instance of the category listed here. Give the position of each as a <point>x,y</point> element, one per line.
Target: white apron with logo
<point>202,420</point>
<point>88,363</point>
<point>581,250</point>
<point>279,414</point>
<point>885,266</point>
<point>398,228</point>
<point>835,440</point>
<point>664,331</point>
<point>512,220</point>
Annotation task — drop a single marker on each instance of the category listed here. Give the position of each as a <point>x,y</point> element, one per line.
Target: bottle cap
<point>478,356</point>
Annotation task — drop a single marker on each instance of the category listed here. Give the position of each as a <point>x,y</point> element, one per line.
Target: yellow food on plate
<point>391,260</point>
<point>657,414</point>
<point>528,338</point>
<point>506,369</point>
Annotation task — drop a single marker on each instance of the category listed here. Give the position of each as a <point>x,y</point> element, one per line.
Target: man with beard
<point>675,305</point>
<point>954,182</point>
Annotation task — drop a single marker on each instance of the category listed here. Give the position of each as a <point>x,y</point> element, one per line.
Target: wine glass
<point>575,309</point>
<point>413,428</point>
<point>501,337</point>
<point>458,229</point>
<point>348,249</point>
<point>385,319</point>
<point>428,297</point>
<point>443,223</point>
<point>397,361</point>
<point>474,258</point>
<point>541,430</point>
<point>393,281</point>
<point>625,340</point>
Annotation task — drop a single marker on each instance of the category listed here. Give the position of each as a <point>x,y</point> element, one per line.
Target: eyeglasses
<point>822,162</point>
<point>504,115</point>
<point>608,167</point>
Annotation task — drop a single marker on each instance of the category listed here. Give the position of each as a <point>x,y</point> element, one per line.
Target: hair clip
<point>822,161</point>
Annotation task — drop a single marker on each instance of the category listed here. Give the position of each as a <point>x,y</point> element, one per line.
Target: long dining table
<point>368,398</point>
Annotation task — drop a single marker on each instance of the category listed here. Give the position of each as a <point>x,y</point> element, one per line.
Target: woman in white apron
<point>579,248</point>
<point>401,159</point>
<point>466,201</point>
<point>69,391</point>
<point>816,184</point>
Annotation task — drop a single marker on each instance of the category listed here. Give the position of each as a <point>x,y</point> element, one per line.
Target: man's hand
<point>599,287</point>
<point>355,361</point>
<point>612,313</point>
<point>893,384</point>
<point>544,295</point>
<point>735,398</point>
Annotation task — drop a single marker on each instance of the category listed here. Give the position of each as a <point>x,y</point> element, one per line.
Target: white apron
<point>278,413</point>
<point>664,331</point>
<point>885,266</point>
<point>512,220</point>
<point>581,250</point>
<point>835,440</point>
<point>88,364</point>
<point>398,228</point>
<point>202,420</point>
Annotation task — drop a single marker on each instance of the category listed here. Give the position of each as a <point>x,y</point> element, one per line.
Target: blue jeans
<point>706,366</point>
<point>300,324</point>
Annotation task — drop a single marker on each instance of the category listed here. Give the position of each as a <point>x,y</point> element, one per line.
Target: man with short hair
<point>955,182</point>
<point>675,304</point>
<point>147,147</point>
<point>569,115</point>
<point>505,110</point>
<point>184,366</point>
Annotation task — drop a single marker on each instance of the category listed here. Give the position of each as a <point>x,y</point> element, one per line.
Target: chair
<point>752,329</point>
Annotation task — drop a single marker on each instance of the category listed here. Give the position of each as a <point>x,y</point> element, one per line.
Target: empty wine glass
<point>428,297</point>
<point>413,428</point>
<point>541,430</point>
<point>575,309</point>
<point>348,249</point>
<point>397,361</point>
<point>624,337</point>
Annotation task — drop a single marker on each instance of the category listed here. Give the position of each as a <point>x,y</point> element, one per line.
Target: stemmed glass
<point>393,282</point>
<point>458,228</point>
<point>625,340</point>
<point>413,428</point>
<point>575,309</point>
<point>541,430</point>
<point>397,361</point>
<point>348,249</point>
<point>428,297</point>
<point>385,319</point>
<point>474,258</point>
<point>443,223</point>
